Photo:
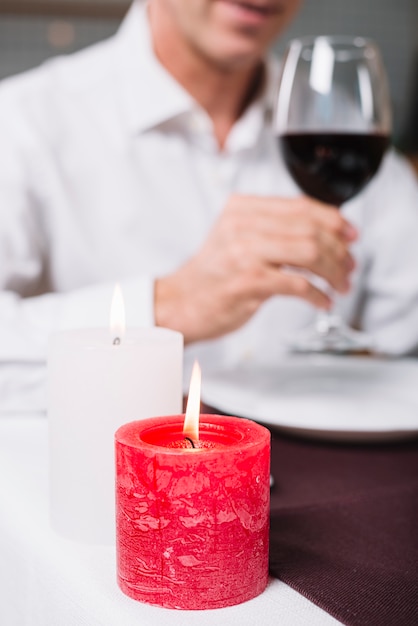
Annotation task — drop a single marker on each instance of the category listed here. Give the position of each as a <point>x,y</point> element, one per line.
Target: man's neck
<point>223,92</point>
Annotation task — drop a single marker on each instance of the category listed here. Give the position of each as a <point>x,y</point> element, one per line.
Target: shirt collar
<point>258,116</point>
<point>151,96</point>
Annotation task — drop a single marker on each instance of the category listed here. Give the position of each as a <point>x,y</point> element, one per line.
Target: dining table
<point>343,518</point>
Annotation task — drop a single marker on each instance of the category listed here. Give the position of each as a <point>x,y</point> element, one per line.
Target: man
<point>148,159</point>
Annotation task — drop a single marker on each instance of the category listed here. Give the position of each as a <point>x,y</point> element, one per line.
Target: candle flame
<point>191,421</point>
<point>117,314</point>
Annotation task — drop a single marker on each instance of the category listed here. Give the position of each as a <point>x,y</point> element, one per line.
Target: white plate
<point>321,396</point>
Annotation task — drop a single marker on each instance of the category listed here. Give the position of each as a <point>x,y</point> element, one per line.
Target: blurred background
<point>32,31</point>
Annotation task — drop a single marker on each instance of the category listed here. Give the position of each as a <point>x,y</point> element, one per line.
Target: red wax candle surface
<point>192,524</point>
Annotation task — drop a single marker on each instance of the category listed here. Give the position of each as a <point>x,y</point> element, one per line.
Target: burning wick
<point>191,420</point>
<point>117,316</point>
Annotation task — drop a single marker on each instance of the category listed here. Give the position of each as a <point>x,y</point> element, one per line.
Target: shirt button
<point>218,176</point>
<point>247,355</point>
<point>223,173</point>
<point>199,124</point>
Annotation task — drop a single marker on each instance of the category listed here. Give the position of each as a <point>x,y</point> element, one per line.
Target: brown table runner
<point>344,528</point>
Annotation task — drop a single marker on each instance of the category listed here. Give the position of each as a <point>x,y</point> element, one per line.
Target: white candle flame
<point>191,421</point>
<point>117,314</point>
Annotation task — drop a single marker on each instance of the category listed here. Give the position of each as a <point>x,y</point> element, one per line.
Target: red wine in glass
<point>332,167</point>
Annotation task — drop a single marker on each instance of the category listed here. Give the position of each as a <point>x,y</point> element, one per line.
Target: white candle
<point>95,386</point>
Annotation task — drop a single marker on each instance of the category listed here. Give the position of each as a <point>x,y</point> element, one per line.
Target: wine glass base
<point>334,339</point>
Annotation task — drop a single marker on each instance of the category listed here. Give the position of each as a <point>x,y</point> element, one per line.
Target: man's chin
<point>236,55</point>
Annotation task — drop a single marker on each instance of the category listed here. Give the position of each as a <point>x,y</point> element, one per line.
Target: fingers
<point>276,281</point>
<point>292,215</point>
<point>299,232</point>
<point>317,252</point>
<point>204,306</point>
<point>300,287</point>
<point>321,254</point>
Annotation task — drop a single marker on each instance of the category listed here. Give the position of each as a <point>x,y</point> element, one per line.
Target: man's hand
<point>241,264</point>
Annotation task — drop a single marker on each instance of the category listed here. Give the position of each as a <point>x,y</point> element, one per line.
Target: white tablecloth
<point>48,581</point>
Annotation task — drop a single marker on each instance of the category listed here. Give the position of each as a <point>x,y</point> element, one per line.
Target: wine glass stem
<point>327,322</point>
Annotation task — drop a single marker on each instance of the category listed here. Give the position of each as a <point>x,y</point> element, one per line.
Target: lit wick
<point>117,316</point>
<point>191,419</point>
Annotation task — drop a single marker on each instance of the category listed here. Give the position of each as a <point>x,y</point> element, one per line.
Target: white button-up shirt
<point>110,172</point>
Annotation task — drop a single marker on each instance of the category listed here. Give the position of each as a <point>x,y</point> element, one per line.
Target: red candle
<point>192,523</point>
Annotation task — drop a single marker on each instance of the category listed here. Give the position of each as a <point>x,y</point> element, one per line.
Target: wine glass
<point>332,120</point>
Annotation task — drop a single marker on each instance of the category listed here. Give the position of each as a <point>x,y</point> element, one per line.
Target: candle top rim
<point>102,337</point>
<point>252,433</point>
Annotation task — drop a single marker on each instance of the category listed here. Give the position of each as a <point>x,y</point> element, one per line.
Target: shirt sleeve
<point>390,311</point>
